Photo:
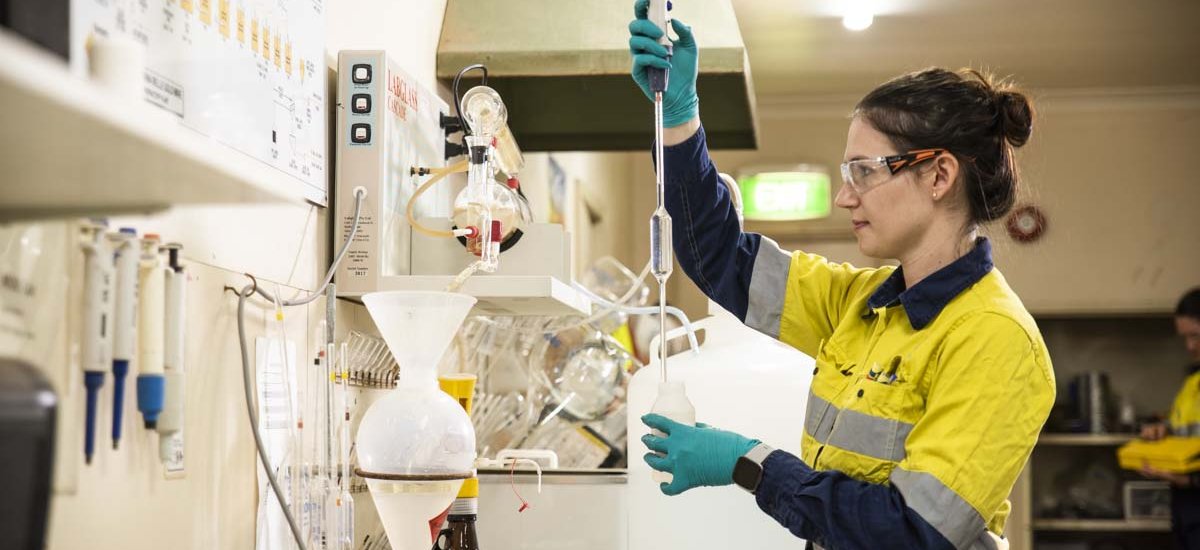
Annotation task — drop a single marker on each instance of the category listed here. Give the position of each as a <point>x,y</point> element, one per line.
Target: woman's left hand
<point>1178,480</point>
<point>696,456</point>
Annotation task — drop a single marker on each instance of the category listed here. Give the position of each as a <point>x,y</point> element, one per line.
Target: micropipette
<point>170,423</point>
<point>661,253</point>
<point>96,345</point>
<point>125,306</point>
<point>151,307</point>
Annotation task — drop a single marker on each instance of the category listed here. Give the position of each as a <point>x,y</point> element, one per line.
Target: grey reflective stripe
<point>941,507</point>
<point>985,542</point>
<point>818,418</point>
<point>871,436</point>
<point>857,432</point>
<point>1188,430</point>
<point>768,285</point>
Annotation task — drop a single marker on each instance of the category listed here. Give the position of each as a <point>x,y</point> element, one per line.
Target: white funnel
<point>418,327</point>
<point>416,445</point>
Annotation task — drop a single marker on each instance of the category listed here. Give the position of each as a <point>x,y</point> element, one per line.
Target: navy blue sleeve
<point>835,511</point>
<point>709,243</point>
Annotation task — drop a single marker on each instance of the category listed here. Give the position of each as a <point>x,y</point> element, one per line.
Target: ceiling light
<point>858,19</point>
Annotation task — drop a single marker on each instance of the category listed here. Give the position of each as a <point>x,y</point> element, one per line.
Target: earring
<point>935,196</point>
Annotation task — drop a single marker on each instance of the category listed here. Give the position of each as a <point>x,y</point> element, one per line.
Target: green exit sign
<point>785,196</point>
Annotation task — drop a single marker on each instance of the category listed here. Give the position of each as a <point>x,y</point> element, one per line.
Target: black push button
<point>361,74</point>
<point>360,103</point>
<point>360,133</point>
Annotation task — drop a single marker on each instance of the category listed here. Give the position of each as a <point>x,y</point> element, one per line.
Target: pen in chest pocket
<point>889,374</point>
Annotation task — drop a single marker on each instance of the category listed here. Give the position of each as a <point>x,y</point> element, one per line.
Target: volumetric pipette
<point>661,254</point>
<point>318,487</point>
<point>96,344</point>
<point>332,521</point>
<point>345,500</point>
<point>125,305</point>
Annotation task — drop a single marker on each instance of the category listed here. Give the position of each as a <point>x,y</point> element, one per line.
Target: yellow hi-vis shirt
<point>1185,413</point>
<point>947,412</point>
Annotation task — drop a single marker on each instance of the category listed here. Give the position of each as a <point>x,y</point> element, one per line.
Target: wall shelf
<point>501,294</point>
<point>1102,525</point>
<point>1084,440</point>
<point>70,148</point>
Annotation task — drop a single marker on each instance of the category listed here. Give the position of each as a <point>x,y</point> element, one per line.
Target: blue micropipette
<point>96,342</point>
<point>151,384</point>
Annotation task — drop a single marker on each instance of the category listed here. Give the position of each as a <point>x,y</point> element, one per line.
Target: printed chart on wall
<point>248,73</point>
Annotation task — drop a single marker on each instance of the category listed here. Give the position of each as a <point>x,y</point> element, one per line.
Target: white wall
<point>599,213</point>
<point>122,500</point>
<point>1110,168</point>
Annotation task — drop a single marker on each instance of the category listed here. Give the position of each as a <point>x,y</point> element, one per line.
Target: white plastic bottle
<point>672,402</point>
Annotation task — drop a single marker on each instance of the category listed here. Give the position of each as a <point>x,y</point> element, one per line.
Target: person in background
<point>932,380</point>
<point>1183,421</point>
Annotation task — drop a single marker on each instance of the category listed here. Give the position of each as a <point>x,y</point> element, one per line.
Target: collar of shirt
<point>926,299</point>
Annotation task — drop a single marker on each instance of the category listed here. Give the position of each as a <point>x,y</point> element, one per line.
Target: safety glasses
<point>862,175</point>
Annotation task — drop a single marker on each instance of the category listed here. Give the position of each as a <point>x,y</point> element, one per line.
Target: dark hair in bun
<point>980,121</point>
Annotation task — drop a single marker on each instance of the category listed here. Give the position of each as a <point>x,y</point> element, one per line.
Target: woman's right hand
<point>1154,432</point>
<point>680,102</point>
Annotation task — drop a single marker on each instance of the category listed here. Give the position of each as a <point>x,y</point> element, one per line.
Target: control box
<point>387,123</point>
<point>389,126</point>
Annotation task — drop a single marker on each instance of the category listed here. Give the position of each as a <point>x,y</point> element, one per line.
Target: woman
<point>932,381</point>
<point>1184,421</point>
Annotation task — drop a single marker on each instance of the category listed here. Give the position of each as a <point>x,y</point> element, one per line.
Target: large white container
<point>576,510</point>
<point>742,381</point>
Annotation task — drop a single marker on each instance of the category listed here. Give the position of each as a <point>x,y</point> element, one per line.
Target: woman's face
<point>891,218</point>
<point>1189,329</point>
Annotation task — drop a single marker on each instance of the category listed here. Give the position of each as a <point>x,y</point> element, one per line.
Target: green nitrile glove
<point>680,102</point>
<point>697,456</point>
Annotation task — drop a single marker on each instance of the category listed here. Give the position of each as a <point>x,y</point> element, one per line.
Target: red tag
<point>435,525</point>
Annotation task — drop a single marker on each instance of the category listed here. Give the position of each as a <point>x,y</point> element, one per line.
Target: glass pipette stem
<point>658,150</point>
<point>660,229</point>
<point>662,329</point>
<point>330,360</point>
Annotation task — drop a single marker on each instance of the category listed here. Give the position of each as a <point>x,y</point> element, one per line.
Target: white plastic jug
<point>742,381</point>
